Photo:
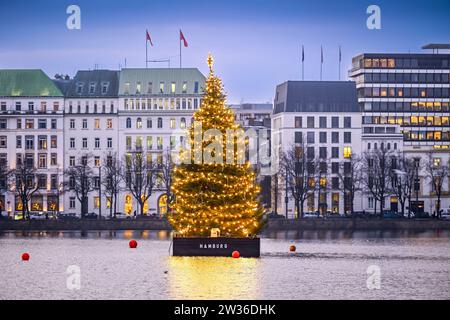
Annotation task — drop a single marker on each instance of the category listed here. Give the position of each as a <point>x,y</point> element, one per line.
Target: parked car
<point>90,216</point>
<point>273,215</point>
<point>123,216</point>
<point>445,214</point>
<point>38,216</point>
<point>67,216</point>
<point>392,215</point>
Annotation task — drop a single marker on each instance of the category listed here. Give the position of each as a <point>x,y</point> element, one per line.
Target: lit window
<point>173,123</point>
<point>347,152</point>
<point>138,88</point>
<point>184,89</point>
<point>139,123</point>
<point>97,124</point>
<point>173,87</point>
<point>161,87</point>
<point>109,124</point>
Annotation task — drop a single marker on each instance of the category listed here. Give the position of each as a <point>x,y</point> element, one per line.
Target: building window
<point>97,143</point>
<point>19,123</point>
<point>138,88</point>
<point>85,124</point>
<point>172,142</point>
<point>335,137</point>
<point>196,87</point>
<point>159,143</point>
<point>29,142</point>
<point>335,152</point>
<point>42,142</point>
<point>347,122</point>
<point>3,142</point>
<point>298,122</point>
<point>42,163</point>
<point>91,87</point>
<point>42,124</point>
<point>173,87</point>
<point>84,143</point>
<point>310,122</point>
<point>161,87</point>
<point>335,122</point>
<point>19,142</point>
<point>128,123</point>
<point>72,124</point>
<point>184,88</point>
<point>310,137</point>
<point>347,152</point>
<point>72,143</point>
<point>322,122</point>
<point>53,159</point>
<point>97,124</point>
<point>72,203</point>
<point>347,137</point>
<point>53,142</point>
<point>149,143</point>
<point>109,124</point>
<point>29,124</point>
<point>150,88</point>
<point>138,123</point>
<point>323,137</point>
<point>128,142</point>
<point>54,124</point>
<point>97,161</point>
<point>183,123</point>
<point>160,123</point>
<point>109,143</point>
<point>72,161</point>
<point>173,123</point>
<point>127,88</point>
<point>3,124</point>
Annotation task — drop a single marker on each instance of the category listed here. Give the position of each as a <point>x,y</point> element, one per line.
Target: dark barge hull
<point>216,247</point>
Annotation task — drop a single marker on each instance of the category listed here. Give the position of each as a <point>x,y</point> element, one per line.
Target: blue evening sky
<point>256,44</point>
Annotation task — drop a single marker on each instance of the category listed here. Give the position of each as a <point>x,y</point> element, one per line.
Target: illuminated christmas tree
<point>214,186</point>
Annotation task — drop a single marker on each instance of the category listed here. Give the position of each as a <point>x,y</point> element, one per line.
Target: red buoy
<point>25,257</point>
<point>133,244</point>
<point>235,254</point>
<point>292,248</point>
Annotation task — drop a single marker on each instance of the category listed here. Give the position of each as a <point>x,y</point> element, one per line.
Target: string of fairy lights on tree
<point>221,195</point>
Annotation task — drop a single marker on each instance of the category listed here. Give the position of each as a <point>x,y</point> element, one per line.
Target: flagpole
<point>146,52</point>
<point>321,62</point>
<point>340,59</point>
<point>179,40</point>
<point>303,63</point>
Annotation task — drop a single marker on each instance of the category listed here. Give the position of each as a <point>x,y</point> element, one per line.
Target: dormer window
<point>161,87</point>
<point>196,87</point>
<point>91,87</point>
<point>79,88</point>
<point>138,88</point>
<point>150,88</point>
<point>184,88</point>
<point>127,88</point>
<point>105,86</point>
<point>173,87</point>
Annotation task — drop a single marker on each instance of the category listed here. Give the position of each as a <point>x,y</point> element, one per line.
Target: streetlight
<point>416,184</point>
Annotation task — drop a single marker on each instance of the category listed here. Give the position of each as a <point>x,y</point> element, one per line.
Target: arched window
<point>160,123</point>
<point>389,146</point>
<point>128,123</point>
<point>138,123</point>
<point>149,123</point>
<point>395,146</point>
<point>183,123</point>
<point>162,205</point>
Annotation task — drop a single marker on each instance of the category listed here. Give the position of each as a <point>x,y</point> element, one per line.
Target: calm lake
<point>327,265</point>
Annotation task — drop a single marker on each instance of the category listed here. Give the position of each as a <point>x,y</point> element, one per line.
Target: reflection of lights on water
<point>128,234</point>
<point>162,235</point>
<point>213,278</point>
<point>145,234</point>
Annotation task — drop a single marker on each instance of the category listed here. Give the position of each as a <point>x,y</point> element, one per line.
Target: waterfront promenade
<point>272,225</point>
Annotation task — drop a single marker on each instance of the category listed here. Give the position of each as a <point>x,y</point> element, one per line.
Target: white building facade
<point>324,118</point>
<point>32,133</point>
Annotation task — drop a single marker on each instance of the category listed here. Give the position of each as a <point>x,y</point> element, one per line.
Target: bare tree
<point>437,173</point>
<point>299,171</point>
<point>322,186</point>
<point>4,174</point>
<point>165,170</point>
<point>112,181</point>
<point>376,166</point>
<point>25,180</point>
<point>402,180</point>
<point>351,178</point>
<point>140,177</point>
<point>80,181</point>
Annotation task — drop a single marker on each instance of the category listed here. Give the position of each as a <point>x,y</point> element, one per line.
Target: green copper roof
<point>27,83</point>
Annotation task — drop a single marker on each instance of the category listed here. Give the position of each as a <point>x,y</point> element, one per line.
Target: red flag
<point>182,38</point>
<point>148,37</point>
